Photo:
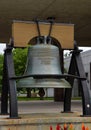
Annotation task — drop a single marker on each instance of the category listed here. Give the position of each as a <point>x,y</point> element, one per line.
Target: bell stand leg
<point>68,91</point>
<point>76,62</point>
<point>4,92</point>
<point>86,103</point>
<point>10,86</point>
<point>59,92</point>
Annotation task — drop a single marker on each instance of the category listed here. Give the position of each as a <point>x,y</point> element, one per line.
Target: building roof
<point>77,12</point>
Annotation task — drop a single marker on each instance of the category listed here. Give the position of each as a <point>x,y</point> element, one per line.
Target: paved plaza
<point>46,106</point>
<point>39,115</point>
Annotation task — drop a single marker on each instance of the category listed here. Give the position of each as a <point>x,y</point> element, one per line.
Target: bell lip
<point>43,87</point>
<point>43,83</point>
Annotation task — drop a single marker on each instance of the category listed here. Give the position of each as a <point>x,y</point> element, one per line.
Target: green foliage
<point>1,64</point>
<point>1,68</point>
<point>21,98</point>
<point>20,57</point>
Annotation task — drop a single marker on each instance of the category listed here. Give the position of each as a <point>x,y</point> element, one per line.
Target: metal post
<point>68,91</point>
<point>5,87</point>
<point>11,84</point>
<point>76,65</point>
<point>86,103</point>
<point>59,92</point>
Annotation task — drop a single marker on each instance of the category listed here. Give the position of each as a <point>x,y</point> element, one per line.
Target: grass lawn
<point>38,98</point>
<point>33,98</point>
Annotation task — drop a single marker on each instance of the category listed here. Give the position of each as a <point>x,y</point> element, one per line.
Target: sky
<point>2,47</point>
<point>82,48</point>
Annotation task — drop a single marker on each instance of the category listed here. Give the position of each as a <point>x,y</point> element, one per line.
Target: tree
<point>20,57</point>
<point>1,69</point>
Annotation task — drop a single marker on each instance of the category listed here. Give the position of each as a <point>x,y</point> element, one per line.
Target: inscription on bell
<point>44,59</point>
<point>45,56</point>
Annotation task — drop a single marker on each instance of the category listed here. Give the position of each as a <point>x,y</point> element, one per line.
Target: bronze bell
<point>43,59</point>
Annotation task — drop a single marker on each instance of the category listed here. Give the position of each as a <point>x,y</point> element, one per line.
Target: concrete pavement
<point>46,106</point>
<point>40,115</point>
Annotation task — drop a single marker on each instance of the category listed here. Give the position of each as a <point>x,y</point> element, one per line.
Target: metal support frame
<point>9,85</point>
<point>76,65</point>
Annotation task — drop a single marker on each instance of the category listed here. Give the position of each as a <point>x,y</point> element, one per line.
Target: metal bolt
<point>88,105</point>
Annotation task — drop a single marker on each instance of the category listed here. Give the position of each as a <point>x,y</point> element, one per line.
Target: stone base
<point>43,121</point>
